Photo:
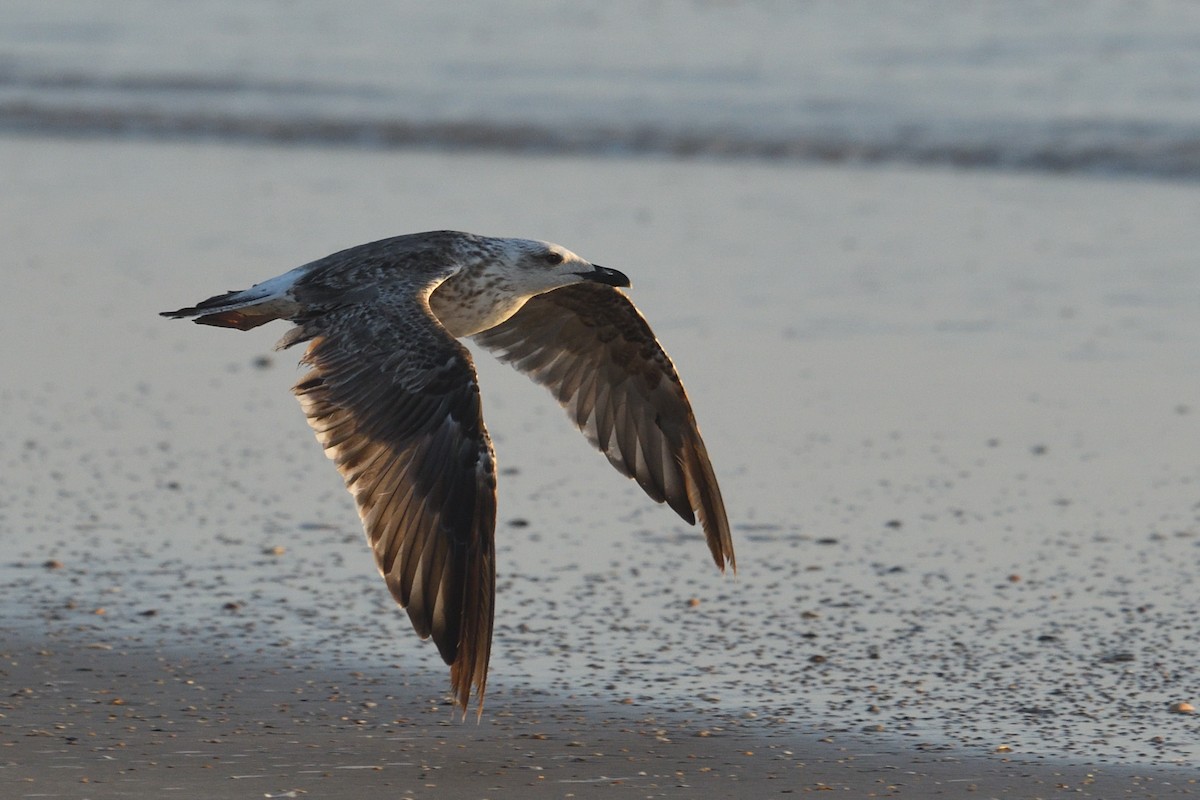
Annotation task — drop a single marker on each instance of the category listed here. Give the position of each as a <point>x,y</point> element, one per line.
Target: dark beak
<point>609,277</point>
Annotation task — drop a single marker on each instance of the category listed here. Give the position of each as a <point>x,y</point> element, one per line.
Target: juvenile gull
<point>393,398</point>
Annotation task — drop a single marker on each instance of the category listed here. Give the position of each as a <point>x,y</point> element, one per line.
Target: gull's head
<point>532,267</point>
<point>498,275</point>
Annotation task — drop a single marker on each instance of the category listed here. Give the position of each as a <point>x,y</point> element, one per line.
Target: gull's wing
<point>591,348</point>
<point>394,400</point>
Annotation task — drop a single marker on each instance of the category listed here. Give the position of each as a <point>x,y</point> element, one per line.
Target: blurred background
<point>1098,85</point>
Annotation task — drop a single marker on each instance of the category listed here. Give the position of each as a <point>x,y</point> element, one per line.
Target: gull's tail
<point>270,300</point>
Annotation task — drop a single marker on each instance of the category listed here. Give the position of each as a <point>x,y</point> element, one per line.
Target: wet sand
<point>100,719</point>
<point>953,415</point>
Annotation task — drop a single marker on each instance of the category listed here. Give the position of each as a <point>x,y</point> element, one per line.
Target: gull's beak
<point>610,277</point>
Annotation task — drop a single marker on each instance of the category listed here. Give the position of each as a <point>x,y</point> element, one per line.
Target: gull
<point>393,398</point>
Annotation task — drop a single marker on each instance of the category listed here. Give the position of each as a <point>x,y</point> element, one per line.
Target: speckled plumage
<point>393,399</point>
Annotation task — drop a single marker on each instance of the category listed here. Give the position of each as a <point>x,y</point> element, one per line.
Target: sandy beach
<point>954,416</point>
<point>99,720</point>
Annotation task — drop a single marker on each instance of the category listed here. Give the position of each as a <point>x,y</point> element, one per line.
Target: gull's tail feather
<point>225,311</point>
<point>247,308</point>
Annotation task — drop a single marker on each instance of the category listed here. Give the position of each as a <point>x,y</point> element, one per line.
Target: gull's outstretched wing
<point>394,401</point>
<point>591,348</point>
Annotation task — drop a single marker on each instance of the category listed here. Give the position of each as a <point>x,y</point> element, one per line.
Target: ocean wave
<point>1090,146</point>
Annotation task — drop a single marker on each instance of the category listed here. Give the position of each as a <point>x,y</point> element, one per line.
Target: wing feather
<point>591,348</point>
<point>393,399</point>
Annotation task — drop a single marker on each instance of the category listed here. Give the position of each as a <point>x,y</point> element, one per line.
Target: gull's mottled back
<point>393,398</point>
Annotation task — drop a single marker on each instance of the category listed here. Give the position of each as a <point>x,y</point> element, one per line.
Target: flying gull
<point>394,400</point>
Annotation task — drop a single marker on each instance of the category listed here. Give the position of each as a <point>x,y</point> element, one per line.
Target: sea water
<point>1103,85</point>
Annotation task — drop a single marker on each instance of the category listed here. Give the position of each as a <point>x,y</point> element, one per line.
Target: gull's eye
<point>553,258</point>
